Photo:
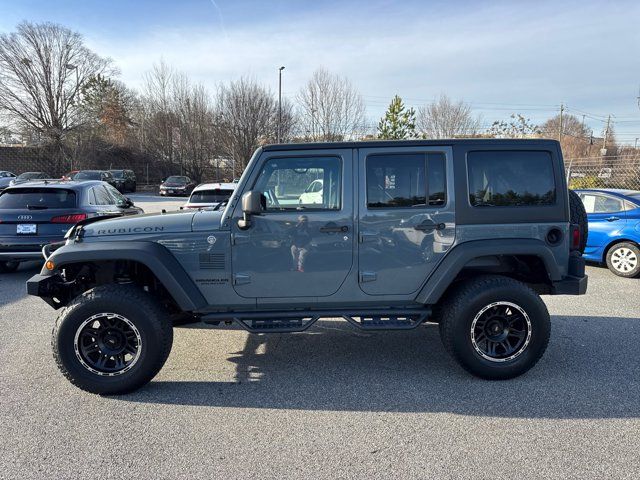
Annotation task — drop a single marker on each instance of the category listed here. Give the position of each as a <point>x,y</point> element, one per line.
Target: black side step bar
<point>299,321</point>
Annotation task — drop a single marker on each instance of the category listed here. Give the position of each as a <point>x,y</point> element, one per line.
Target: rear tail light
<point>73,218</point>
<point>576,237</point>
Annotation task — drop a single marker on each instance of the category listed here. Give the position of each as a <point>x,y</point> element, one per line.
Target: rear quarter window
<point>38,198</point>
<point>510,178</point>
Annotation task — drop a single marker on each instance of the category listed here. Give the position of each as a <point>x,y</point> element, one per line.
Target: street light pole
<point>280,102</point>
<point>70,66</point>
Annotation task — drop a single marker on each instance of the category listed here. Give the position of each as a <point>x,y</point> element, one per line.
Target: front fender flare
<point>154,256</point>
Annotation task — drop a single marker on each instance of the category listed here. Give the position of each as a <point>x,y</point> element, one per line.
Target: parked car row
<point>123,180</point>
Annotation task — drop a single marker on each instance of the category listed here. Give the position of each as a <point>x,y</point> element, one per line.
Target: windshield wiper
<point>37,207</point>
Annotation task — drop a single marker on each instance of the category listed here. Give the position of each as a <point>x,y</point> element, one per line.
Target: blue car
<point>37,213</point>
<point>614,229</point>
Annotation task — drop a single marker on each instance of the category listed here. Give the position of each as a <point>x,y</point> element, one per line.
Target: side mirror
<point>253,203</point>
<point>125,203</point>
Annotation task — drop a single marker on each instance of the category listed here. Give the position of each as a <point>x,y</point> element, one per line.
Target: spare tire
<point>578,216</point>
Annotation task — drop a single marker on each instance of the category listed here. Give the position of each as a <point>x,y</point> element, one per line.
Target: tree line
<point>55,91</point>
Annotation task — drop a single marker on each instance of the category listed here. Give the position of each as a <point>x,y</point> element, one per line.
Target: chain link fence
<point>621,171</point>
<point>148,170</point>
<point>604,172</point>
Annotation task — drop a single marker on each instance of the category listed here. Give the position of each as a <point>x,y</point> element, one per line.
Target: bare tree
<point>247,116</point>
<point>330,108</point>
<point>576,139</point>
<point>446,119</point>
<point>157,120</point>
<point>518,126</point>
<point>43,68</point>
<point>195,145</point>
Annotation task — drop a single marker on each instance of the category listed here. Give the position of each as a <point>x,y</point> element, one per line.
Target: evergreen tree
<point>398,122</point>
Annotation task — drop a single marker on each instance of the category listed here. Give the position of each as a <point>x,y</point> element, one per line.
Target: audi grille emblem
<point>25,217</point>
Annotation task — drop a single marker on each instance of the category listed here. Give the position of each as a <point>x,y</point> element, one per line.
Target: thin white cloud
<point>541,53</point>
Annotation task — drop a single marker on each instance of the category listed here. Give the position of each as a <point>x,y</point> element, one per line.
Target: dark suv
<point>464,233</point>
<point>102,175</point>
<point>36,214</point>
<point>124,180</point>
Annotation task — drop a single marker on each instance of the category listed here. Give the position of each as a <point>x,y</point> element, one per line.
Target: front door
<point>302,245</point>
<point>406,216</point>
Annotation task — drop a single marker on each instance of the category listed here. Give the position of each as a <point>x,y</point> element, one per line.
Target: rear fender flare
<point>461,254</point>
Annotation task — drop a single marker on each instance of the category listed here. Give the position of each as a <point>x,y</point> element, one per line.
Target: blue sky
<point>501,57</point>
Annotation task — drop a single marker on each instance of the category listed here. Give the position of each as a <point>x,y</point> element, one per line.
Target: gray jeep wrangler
<point>386,235</point>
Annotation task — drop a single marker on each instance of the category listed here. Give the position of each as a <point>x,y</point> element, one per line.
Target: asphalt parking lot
<point>330,403</point>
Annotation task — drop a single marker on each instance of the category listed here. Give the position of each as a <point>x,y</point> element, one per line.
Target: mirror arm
<point>245,222</point>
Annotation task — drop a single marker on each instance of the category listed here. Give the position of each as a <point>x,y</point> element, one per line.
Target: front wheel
<point>9,267</point>
<point>112,339</point>
<point>495,327</point>
<point>623,259</point>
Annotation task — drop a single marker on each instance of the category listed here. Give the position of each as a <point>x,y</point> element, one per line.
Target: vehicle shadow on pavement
<point>589,371</point>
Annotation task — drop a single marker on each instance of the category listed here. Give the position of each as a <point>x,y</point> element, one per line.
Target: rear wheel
<point>623,259</point>
<point>9,267</point>
<point>495,327</point>
<point>112,339</point>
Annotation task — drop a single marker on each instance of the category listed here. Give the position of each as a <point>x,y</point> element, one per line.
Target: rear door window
<point>510,178</point>
<point>594,203</point>
<point>38,198</point>
<point>406,180</point>
<point>102,196</point>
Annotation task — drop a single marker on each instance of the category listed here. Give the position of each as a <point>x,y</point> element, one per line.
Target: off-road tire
<point>578,216</point>
<point>9,267</point>
<point>633,251</point>
<point>463,305</point>
<point>151,320</point>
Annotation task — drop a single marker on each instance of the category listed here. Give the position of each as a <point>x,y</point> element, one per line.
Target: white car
<point>312,194</point>
<point>208,195</point>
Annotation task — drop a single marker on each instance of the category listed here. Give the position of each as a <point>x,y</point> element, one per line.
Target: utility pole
<point>603,152</point>
<point>560,126</point>
<point>635,145</point>
<point>280,102</point>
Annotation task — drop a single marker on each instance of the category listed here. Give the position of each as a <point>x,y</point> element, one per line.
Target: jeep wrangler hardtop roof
<point>538,142</point>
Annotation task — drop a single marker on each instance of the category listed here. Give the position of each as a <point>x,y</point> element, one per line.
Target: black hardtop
<point>483,142</point>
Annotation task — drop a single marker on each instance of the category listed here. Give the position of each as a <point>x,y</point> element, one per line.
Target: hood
<point>206,220</point>
<point>153,223</point>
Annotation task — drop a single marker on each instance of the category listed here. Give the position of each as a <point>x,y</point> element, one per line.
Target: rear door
<point>406,216</point>
<point>606,218</point>
<point>296,248</point>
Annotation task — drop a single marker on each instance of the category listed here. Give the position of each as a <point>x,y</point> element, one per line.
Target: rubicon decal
<point>111,231</point>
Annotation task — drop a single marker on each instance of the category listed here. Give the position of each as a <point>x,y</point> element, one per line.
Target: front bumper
<point>50,288</point>
<point>24,249</point>
<point>575,283</point>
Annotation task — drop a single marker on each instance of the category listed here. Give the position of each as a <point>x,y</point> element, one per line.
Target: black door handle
<point>428,226</point>
<point>333,228</point>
